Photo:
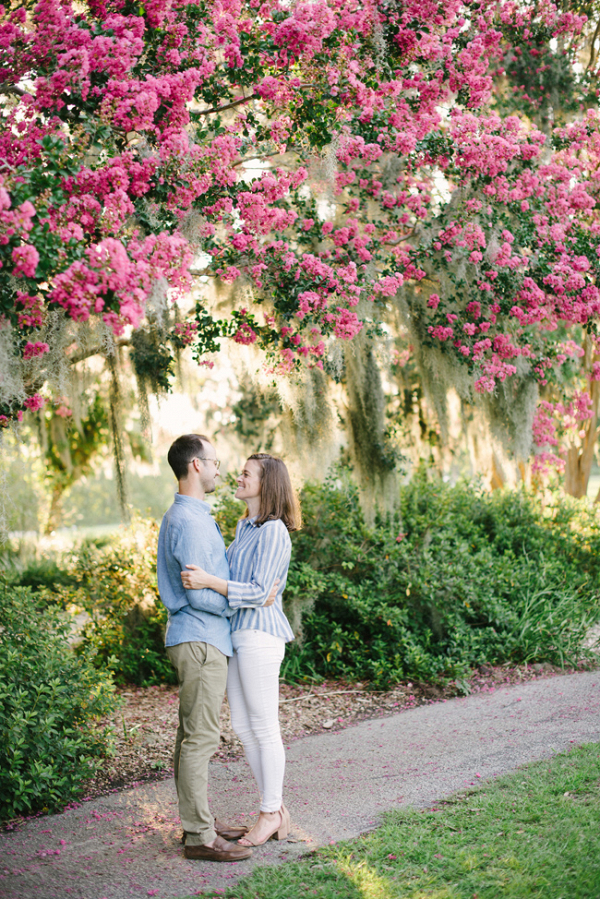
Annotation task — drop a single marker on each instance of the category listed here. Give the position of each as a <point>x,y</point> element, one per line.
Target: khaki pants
<point>202,674</point>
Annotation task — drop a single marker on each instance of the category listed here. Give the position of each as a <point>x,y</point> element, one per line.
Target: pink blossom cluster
<point>346,324</point>
<point>34,403</point>
<point>558,198</point>
<point>559,425</point>
<point>31,350</point>
<point>115,279</point>
<point>186,332</point>
<point>245,335</point>
<point>63,410</point>
<point>33,316</point>
<point>14,223</point>
<point>25,259</point>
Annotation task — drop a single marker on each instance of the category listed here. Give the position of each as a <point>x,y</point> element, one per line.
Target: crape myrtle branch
<point>12,89</point>
<point>593,50</point>
<point>255,158</point>
<point>99,350</point>
<point>232,105</point>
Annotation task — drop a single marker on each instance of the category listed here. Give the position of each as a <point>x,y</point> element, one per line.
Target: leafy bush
<point>457,578</point>
<point>24,569</point>
<point>50,700</point>
<point>43,573</point>
<point>116,585</point>
<point>227,509</point>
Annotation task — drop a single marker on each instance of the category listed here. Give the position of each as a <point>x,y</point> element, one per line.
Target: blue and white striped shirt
<point>258,556</point>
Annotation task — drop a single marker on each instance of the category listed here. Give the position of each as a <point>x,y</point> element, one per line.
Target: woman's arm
<point>197,579</point>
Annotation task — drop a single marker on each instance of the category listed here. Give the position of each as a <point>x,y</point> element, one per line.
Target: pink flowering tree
<point>334,157</point>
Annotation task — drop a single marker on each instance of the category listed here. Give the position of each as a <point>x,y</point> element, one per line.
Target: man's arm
<point>188,544</point>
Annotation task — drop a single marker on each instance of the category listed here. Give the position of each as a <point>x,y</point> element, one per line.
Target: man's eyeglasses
<point>217,463</point>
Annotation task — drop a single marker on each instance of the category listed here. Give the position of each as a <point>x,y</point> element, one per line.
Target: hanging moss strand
<point>116,429</point>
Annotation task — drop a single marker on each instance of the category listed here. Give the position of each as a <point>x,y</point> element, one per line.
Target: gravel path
<point>337,785</point>
<point>145,724</point>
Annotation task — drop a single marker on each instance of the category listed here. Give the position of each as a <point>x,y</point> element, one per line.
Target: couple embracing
<point>227,629</point>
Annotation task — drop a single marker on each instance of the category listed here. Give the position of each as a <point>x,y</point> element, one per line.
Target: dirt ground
<point>146,722</point>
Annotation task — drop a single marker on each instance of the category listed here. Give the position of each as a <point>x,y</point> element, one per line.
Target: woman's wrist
<point>218,584</point>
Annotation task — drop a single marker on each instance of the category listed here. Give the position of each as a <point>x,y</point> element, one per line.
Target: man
<point>198,642</point>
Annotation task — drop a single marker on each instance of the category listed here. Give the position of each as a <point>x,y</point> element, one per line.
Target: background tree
<point>70,449</point>
<point>336,161</point>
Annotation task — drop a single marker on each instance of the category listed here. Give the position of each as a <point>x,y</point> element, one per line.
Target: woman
<point>258,557</point>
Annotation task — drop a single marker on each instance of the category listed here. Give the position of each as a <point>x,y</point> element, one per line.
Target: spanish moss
<point>116,429</point>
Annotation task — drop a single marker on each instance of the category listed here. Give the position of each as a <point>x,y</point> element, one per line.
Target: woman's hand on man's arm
<point>196,578</point>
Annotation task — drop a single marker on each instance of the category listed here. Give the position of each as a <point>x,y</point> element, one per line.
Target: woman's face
<point>249,481</point>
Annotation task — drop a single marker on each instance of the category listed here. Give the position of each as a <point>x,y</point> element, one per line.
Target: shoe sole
<point>209,858</point>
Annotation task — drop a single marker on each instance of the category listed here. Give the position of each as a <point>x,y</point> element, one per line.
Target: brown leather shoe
<point>226,831</point>
<point>222,851</point>
<point>229,832</point>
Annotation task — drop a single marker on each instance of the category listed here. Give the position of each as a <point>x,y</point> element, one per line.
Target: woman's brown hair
<point>277,496</point>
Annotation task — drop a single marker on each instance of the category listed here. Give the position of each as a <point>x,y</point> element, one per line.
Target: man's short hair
<point>183,450</point>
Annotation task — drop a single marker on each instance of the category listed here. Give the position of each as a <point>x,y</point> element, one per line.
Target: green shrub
<point>50,701</point>
<point>227,509</point>
<point>43,573</point>
<point>22,568</point>
<point>457,578</point>
<point>116,585</point>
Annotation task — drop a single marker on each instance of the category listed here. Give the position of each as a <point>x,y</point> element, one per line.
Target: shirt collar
<point>198,504</point>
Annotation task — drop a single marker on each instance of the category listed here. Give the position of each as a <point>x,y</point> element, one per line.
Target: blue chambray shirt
<point>189,535</point>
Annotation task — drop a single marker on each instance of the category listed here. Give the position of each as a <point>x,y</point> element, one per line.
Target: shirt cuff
<point>237,594</point>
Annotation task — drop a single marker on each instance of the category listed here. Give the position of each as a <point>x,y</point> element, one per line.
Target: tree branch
<point>95,351</point>
<point>401,239</point>
<point>227,105</point>
<point>252,158</point>
<point>12,89</point>
<point>593,47</point>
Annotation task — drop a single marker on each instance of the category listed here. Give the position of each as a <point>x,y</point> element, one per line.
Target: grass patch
<point>533,834</point>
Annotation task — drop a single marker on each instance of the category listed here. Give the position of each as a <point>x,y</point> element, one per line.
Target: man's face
<point>208,470</point>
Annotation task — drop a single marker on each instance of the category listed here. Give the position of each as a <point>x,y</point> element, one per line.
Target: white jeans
<point>253,694</point>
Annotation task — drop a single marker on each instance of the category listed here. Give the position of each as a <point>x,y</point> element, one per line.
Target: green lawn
<point>534,833</point>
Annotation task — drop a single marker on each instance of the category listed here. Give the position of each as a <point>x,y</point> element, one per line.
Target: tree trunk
<point>579,459</point>
<point>498,478</point>
<point>55,513</point>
